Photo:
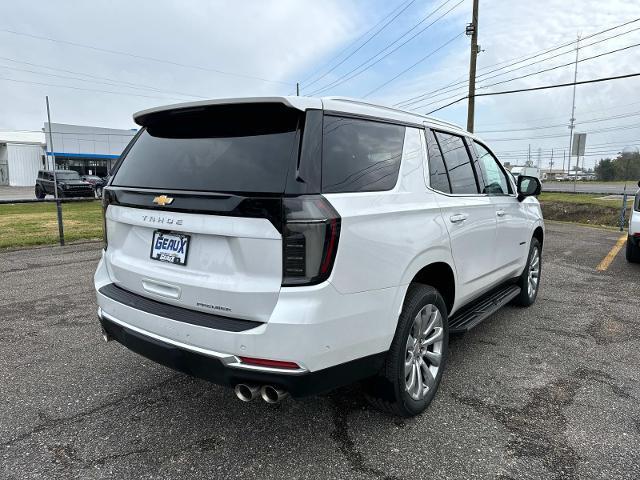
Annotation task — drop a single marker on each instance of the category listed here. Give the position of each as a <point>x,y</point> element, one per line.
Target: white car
<point>633,240</point>
<point>292,245</point>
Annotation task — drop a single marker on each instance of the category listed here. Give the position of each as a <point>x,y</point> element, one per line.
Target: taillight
<point>309,241</point>
<point>106,200</point>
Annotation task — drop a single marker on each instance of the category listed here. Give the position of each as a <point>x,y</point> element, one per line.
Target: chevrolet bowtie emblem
<point>163,200</point>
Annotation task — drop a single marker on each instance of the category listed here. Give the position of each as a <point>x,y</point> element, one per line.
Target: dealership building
<point>87,150</point>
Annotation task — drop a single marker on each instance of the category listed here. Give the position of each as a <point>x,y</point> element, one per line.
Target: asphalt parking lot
<point>546,392</point>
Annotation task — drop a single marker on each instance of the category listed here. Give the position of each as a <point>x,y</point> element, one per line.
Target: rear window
<point>239,148</point>
<point>360,155</point>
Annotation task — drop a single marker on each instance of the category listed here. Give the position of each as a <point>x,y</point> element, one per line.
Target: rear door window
<point>438,176</point>
<point>360,155</point>
<point>458,162</point>
<point>225,150</point>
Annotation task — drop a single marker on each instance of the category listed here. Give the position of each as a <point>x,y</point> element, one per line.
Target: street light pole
<point>55,178</point>
<point>573,114</point>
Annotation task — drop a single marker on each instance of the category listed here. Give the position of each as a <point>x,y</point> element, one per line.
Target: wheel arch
<point>538,234</point>
<point>439,275</point>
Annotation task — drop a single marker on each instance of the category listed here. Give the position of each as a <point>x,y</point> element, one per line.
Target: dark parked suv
<point>69,184</point>
<point>97,182</point>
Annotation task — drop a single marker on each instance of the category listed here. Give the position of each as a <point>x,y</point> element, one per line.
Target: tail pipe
<point>271,394</point>
<point>246,392</point>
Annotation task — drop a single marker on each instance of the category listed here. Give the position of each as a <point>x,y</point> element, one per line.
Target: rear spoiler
<point>146,117</point>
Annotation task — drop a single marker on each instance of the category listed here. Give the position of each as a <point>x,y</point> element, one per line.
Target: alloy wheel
<point>534,273</point>
<point>423,352</point>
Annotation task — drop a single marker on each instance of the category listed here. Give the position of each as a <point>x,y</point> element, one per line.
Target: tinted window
<point>494,178</point>
<point>239,148</point>
<point>456,157</point>
<point>438,178</point>
<point>360,155</point>
<point>68,175</point>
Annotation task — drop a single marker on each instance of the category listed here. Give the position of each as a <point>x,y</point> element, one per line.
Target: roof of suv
<point>336,104</point>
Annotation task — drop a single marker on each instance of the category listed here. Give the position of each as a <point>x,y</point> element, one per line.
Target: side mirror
<point>528,187</point>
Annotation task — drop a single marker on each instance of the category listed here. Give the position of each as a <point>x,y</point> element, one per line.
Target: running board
<point>478,311</point>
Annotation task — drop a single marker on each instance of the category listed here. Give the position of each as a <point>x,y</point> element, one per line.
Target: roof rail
<point>444,122</point>
<point>393,109</point>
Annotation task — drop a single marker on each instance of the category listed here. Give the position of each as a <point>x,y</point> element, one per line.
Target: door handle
<point>458,217</point>
<point>501,213</point>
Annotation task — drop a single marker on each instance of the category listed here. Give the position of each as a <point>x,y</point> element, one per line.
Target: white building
<point>21,156</point>
<point>88,150</point>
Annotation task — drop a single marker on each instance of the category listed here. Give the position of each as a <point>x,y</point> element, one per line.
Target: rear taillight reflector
<point>263,362</point>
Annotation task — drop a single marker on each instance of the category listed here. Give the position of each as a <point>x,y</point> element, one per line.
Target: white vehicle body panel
<point>634,219</point>
<point>234,264</point>
<point>386,238</point>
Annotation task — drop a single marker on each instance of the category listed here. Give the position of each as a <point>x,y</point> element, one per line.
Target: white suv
<point>292,245</point>
<point>633,240</point>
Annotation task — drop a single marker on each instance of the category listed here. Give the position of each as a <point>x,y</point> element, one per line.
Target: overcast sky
<point>206,49</point>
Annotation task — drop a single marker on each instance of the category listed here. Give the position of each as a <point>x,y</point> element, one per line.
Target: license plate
<point>170,247</point>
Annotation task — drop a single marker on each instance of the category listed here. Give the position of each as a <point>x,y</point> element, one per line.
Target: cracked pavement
<point>546,392</point>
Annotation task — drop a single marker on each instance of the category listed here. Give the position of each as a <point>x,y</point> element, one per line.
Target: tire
<point>390,391</point>
<point>40,193</point>
<point>530,273</point>
<point>633,251</point>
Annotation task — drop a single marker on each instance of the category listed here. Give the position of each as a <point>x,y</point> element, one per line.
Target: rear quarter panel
<point>387,237</point>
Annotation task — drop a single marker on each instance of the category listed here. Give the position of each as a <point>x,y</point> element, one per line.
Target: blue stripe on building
<point>82,155</point>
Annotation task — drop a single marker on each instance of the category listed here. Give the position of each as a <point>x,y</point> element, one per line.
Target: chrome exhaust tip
<point>105,336</point>
<point>271,394</point>
<point>245,392</point>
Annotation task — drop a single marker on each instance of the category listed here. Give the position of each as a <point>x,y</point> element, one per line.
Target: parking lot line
<point>606,261</point>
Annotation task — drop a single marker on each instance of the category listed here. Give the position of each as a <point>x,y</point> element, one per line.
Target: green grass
<point>588,209</point>
<point>582,198</point>
<point>36,223</point>
<point>25,224</point>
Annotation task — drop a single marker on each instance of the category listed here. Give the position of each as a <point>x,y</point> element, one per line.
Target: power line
<point>406,5</point>
<point>542,127</point>
<point>113,84</point>
<point>88,89</point>
<point>543,87</point>
<point>608,129</point>
<point>517,60</point>
<point>535,73</point>
<point>589,148</point>
<point>143,57</point>
<point>444,90</point>
<point>550,49</point>
<point>349,75</point>
<point>414,65</point>
<point>612,107</point>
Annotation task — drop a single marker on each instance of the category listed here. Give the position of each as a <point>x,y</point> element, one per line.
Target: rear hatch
<point>193,212</point>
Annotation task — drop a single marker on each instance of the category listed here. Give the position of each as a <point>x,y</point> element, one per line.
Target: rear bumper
<point>216,367</point>
<point>331,336</point>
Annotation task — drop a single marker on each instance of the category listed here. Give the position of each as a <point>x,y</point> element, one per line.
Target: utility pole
<point>573,109</point>
<point>55,178</point>
<point>472,29</point>
<point>551,162</point>
<point>297,89</point>
<point>564,153</point>
<point>529,157</point>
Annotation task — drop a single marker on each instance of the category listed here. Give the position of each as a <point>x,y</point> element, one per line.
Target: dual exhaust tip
<point>269,393</point>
